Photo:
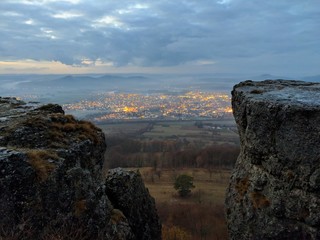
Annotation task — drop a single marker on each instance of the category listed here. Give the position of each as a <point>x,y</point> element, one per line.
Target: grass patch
<point>35,122</point>
<point>40,161</point>
<point>200,216</point>
<point>53,130</point>
<point>64,125</point>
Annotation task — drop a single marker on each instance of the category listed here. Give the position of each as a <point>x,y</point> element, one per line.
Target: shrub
<point>183,184</point>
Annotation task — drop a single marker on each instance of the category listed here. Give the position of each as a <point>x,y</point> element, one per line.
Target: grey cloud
<point>166,33</point>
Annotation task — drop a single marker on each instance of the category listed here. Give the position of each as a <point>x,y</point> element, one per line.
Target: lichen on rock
<point>273,191</point>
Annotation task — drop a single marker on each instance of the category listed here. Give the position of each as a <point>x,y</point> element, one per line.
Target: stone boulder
<point>274,189</point>
<point>127,192</point>
<point>51,180</point>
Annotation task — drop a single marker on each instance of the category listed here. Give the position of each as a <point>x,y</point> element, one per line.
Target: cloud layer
<point>230,33</point>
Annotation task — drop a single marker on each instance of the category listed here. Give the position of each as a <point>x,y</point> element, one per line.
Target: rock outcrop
<point>134,201</point>
<point>51,184</point>
<point>274,190</point>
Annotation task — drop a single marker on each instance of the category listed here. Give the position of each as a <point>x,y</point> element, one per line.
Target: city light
<point>180,106</point>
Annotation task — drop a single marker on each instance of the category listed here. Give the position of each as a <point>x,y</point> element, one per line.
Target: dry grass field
<point>224,133</point>
<point>199,216</point>
<point>187,130</point>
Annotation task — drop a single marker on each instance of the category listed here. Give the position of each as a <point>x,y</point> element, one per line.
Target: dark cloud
<point>161,33</point>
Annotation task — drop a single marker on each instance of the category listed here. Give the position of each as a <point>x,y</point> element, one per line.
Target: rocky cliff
<point>274,190</point>
<point>51,181</point>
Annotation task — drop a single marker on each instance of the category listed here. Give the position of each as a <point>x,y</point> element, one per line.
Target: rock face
<point>274,190</point>
<point>51,181</point>
<point>134,201</point>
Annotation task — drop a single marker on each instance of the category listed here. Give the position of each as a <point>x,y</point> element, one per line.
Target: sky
<point>279,37</point>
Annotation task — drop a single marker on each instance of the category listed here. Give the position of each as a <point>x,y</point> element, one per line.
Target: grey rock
<point>274,189</point>
<point>51,181</point>
<point>315,180</point>
<point>127,193</point>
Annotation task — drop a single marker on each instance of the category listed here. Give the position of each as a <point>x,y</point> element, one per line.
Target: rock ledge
<point>274,190</point>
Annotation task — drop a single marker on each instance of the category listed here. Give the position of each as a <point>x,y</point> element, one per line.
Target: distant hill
<point>82,82</point>
<point>315,78</point>
<point>269,76</point>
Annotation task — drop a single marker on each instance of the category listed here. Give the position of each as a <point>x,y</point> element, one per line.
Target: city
<point>191,105</point>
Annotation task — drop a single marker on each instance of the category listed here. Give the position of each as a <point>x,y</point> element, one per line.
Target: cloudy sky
<point>280,37</point>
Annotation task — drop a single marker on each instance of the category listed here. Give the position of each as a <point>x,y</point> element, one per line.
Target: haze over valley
<point>85,95</point>
<point>113,97</point>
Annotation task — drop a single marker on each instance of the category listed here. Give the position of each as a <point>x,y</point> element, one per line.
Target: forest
<point>126,152</point>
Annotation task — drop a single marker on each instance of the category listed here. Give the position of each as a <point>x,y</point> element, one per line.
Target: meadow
<point>198,216</point>
<point>212,131</point>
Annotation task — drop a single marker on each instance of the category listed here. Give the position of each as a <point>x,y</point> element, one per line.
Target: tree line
<point>127,152</point>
